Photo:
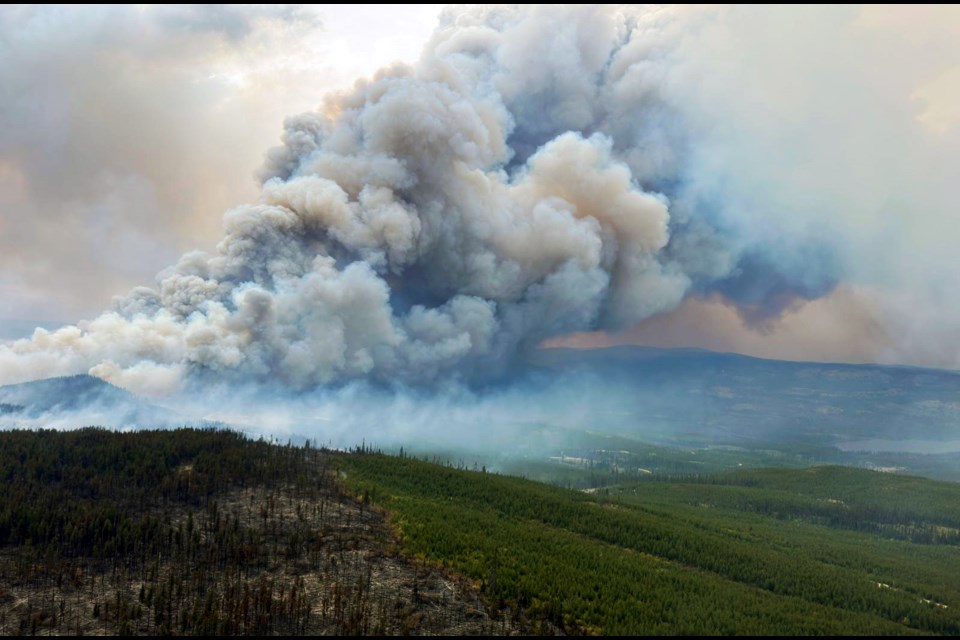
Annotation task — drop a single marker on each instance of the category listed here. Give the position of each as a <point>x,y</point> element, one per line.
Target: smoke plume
<point>535,174</point>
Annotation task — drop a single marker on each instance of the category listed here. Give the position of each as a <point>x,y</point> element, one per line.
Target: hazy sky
<point>127,132</point>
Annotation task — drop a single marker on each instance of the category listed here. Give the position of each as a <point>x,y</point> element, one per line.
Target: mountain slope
<point>735,399</point>
<point>206,532</point>
<point>75,401</point>
<point>701,556</point>
<point>202,532</point>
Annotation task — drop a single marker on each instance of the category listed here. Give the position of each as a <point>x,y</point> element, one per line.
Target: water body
<point>910,445</point>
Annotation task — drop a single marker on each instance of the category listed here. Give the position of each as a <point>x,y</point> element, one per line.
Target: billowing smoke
<point>533,175</point>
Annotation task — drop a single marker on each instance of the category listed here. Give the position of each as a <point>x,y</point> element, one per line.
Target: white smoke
<point>534,174</point>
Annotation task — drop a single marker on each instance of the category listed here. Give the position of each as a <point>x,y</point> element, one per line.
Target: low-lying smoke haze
<point>538,173</point>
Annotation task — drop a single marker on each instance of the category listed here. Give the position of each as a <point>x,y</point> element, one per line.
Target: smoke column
<point>531,176</point>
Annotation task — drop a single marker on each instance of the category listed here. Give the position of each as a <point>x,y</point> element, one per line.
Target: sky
<point>129,131</point>
<point>817,147</point>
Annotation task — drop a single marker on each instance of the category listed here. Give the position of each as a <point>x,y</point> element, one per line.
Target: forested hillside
<point>811,551</point>
<point>201,532</point>
<point>207,532</point>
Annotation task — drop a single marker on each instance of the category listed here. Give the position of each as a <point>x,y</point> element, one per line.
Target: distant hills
<point>725,397</point>
<point>669,396</point>
<point>74,401</point>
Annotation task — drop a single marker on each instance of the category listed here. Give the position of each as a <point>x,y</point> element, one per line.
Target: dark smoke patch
<point>762,291</point>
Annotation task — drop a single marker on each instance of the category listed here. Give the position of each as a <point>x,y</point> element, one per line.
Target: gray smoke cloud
<point>536,173</point>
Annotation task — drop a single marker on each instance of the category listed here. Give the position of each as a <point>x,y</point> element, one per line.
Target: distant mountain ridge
<point>64,393</point>
<point>81,400</point>
<point>658,395</point>
<point>733,398</point>
<point>566,356</point>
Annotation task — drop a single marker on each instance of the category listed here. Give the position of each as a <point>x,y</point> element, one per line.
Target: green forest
<point>190,532</point>
<point>824,550</point>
